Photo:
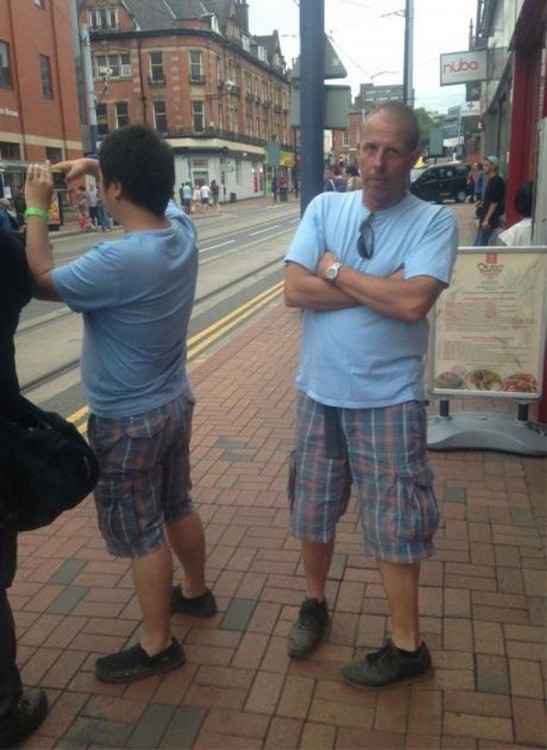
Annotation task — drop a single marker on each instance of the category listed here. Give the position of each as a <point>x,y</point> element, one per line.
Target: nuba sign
<point>463,67</point>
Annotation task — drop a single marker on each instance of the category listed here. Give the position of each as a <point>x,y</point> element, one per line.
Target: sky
<point>368,36</point>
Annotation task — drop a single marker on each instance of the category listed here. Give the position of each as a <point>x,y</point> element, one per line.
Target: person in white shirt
<point>205,193</point>
<point>520,234</point>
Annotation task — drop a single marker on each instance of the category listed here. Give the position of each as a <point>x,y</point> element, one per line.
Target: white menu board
<point>488,327</point>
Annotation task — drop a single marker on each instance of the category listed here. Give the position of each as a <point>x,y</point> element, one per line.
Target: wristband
<point>37,212</point>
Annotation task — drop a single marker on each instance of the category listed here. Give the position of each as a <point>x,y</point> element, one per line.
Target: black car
<point>440,182</point>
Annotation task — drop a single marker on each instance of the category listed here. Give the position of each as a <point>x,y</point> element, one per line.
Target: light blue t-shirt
<point>136,296</point>
<point>358,358</point>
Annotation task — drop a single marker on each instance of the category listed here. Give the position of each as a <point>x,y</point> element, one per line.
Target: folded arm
<point>407,299</point>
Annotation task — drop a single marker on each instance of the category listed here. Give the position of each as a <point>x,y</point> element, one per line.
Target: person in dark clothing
<point>21,711</point>
<point>492,206</point>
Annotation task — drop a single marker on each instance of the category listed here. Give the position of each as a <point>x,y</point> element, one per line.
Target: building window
<point>345,138</point>
<point>196,67</point>
<point>45,72</point>
<point>54,154</point>
<point>122,114</point>
<point>6,81</point>
<point>9,150</point>
<point>102,120</point>
<point>104,19</point>
<point>113,66</point>
<point>198,117</point>
<point>156,67</point>
<point>160,115</point>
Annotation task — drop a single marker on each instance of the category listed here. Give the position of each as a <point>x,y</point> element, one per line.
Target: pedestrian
<point>366,267</point>
<point>353,181</point>
<point>8,222</point>
<point>102,215</point>
<point>492,207</point>
<point>83,207</point>
<point>334,180</point>
<point>478,187</point>
<point>205,194</point>
<point>274,188</point>
<point>92,200</point>
<point>185,194</point>
<point>21,711</point>
<point>196,199</point>
<point>136,295</point>
<point>520,234</point>
<point>215,194</point>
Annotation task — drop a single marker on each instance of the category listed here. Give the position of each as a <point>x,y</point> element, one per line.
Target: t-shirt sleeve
<point>435,253</point>
<point>497,191</point>
<point>309,243</point>
<point>91,282</point>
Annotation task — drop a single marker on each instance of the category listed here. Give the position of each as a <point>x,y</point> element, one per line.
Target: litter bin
<point>283,194</point>
<point>233,197</point>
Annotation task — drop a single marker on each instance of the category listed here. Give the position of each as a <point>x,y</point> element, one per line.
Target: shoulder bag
<point>46,467</point>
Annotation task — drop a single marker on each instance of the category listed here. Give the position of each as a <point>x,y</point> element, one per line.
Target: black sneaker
<point>25,717</point>
<point>387,666</point>
<point>307,632</point>
<point>135,664</point>
<point>204,605</point>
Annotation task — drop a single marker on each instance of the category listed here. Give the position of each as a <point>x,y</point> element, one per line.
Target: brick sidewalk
<point>482,599</point>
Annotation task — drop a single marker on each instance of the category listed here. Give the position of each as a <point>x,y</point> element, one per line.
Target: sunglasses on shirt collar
<point>365,241</point>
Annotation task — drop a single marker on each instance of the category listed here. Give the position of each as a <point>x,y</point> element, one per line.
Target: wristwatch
<point>332,271</point>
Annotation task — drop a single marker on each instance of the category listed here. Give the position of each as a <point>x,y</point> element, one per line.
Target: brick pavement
<point>482,599</point>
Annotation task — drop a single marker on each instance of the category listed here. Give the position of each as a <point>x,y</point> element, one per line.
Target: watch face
<point>332,272</point>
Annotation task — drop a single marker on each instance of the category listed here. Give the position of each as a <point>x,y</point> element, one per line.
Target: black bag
<point>46,467</point>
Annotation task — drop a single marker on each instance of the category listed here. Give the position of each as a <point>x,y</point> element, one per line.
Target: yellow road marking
<point>205,338</point>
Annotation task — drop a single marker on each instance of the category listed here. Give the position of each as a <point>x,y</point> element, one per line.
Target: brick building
<point>39,115</point>
<point>194,72</point>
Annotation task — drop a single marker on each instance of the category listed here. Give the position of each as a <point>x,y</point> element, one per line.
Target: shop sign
<point>464,67</point>
<point>9,112</point>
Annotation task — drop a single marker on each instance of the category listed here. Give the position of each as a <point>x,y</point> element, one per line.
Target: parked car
<point>440,182</point>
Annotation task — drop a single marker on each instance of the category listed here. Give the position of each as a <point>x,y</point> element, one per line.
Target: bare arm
<point>39,194</point>
<point>309,291</point>
<point>409,299</point>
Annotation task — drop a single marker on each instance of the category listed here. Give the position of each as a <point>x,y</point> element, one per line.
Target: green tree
<point>426,121</point>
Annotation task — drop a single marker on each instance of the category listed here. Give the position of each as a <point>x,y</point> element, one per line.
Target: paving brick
<point>264,618</point>
<point>250,651</point>
<point>340,714</point>
<point>214,741</point>
<point>457,603</point>
<point>120,710</point>
<point>425,712</point>
<point>351,739</point>
<point>183,728</point>
<point>238,614</point>
<point>488,637</point>
<point>392,710</point>
<point>242,723</point>
<point>529,721</point>
<point>491,728</point>
<point>296,697</point>
<point>265,692</point>
<point>492,674</point>
<point>276,658</point>
<point>62,713</point>
<point>85,731</point>
<point>283,733</point>
<point>526,679</point>
<point>317,737</point>
<point>152,726</point>
<point>457,634</point>
<point>479,703</point>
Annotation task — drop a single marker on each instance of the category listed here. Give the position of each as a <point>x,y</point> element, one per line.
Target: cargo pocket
<point>421,506</point>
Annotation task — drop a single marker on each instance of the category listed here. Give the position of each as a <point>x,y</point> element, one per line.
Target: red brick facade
<point>39,114</point>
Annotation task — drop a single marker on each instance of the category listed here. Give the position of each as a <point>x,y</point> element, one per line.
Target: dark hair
<point>143,163</point>
<point>524,199</point>
<point>404,113</point>
<point>352,170</point>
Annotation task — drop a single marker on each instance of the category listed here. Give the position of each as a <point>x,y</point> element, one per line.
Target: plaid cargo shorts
<point>379,452</point>
<point>145,475</point>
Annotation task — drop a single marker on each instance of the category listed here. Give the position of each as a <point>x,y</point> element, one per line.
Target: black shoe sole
<point>396,683</point>
<point>141,673</point>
